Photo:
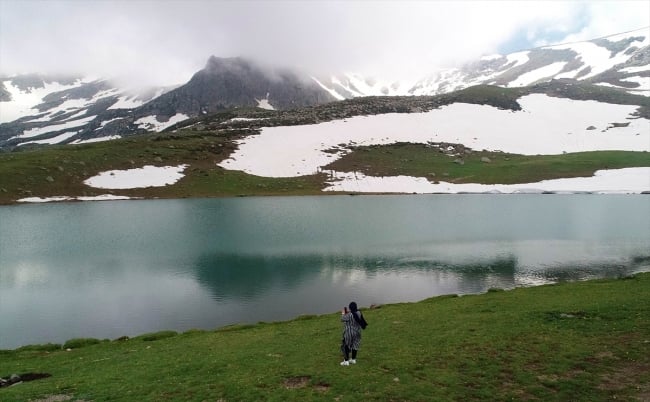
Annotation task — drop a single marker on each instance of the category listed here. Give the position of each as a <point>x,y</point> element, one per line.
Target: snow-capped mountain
<point>41,109</point>
<point>236,82</point>
<point>51,110</point>
<point>620,61</point>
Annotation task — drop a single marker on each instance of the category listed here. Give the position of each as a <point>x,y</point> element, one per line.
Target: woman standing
<point>353,323</point>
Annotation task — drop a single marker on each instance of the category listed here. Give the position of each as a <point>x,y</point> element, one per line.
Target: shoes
<point>345,363</point>
<point>353,361</point>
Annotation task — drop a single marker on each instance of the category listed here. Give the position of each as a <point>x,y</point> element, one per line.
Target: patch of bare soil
<point>627,376</point>
<point>296,382</point>
<point>302,382</point>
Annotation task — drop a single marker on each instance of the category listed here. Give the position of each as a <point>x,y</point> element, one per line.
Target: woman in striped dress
<point>353,323</point>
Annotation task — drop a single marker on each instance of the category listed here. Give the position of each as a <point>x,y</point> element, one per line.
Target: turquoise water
<point>107,269</point>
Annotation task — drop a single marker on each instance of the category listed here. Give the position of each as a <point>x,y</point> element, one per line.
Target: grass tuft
<point>77,343</point>
<point>155,336</point>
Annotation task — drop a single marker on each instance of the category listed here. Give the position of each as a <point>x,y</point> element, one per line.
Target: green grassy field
<point>580,341</point>
<point>61,170</point>
<point>424,160</point>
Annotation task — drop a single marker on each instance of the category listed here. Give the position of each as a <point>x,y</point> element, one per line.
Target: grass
<point>585,341</point>
<point>425,160</point>
<point>26,173</point>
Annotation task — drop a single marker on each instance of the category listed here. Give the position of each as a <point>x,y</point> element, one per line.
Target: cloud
<point>165,42</point>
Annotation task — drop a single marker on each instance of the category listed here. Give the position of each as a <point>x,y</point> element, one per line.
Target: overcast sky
<point>164,42</point>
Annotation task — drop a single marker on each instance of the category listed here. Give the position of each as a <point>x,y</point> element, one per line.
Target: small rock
<point>158,159</point>
<point>459,161</point>
<point>14,378</point>
<point>60,168</point>
<point>591,128</point>
<point>396,379</point>
<point>485,159</point>
<point>50,179</point>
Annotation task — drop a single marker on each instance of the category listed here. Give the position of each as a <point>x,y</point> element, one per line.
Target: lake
<point>108,269</point>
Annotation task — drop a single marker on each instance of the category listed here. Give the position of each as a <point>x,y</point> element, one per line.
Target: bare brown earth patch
<point>303,381</point>
<point>56,398</point>
<point>628,376</point>
<point>296,382</point>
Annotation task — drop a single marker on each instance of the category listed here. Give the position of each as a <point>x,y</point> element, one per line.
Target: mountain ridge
<point>74,110</point>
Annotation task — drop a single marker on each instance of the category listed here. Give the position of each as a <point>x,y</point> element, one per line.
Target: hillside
<point>584,144</point>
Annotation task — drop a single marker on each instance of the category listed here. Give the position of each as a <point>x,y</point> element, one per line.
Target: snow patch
<point>519,58</point>
<point>98,139</point>
<point>103,197</point>
<point>48,129</point>
<point>491,57</point>
<point>332,92</point>
<point>105,122</point>
<point>146,176</point>
<point>246,119</point>
<point>538,74</point>
<point>264,103</point>
<point>625,181</point>
<point>53,140</point>
<point>594,56</point>
<point>126,102</point>
<point>546,125</point>
<point>22,102</point>
<point>636,69</point>
<point>152,123</point>
<point>644,82</point>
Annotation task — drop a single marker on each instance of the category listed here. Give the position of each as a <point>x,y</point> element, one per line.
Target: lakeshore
<point>585,340</point>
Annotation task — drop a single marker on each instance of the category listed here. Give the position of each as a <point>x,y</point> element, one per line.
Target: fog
<point>165,42</point>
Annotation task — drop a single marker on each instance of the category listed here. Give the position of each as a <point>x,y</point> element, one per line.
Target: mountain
<point>36,110</point>
<point>225,83</point>
<point>619,61</point>
<point>39,109</point>
<point>47,110</point>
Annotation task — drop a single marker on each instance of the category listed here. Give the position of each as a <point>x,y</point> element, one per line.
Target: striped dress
<point>351,331</point>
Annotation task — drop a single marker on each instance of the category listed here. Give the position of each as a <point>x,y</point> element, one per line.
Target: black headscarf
<point>358,317</point>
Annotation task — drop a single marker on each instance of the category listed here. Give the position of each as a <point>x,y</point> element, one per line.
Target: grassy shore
<point>586,341</point>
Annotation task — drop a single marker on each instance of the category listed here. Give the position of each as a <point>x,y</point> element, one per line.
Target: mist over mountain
<point>40,110</point>
<point>236,82</point>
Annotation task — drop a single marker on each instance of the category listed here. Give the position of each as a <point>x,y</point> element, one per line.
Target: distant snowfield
<point>126,102</point>
<point>147,176</point>
<point>152,123</point>
<point>22,103</point>
<point>48,129</point>
<point>546,125</point>
<point>538,74</point>
<point>54,140</point>
<point>99,139</point>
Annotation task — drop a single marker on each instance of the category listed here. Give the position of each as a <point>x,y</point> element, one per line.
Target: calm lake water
<point>107,269</point>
